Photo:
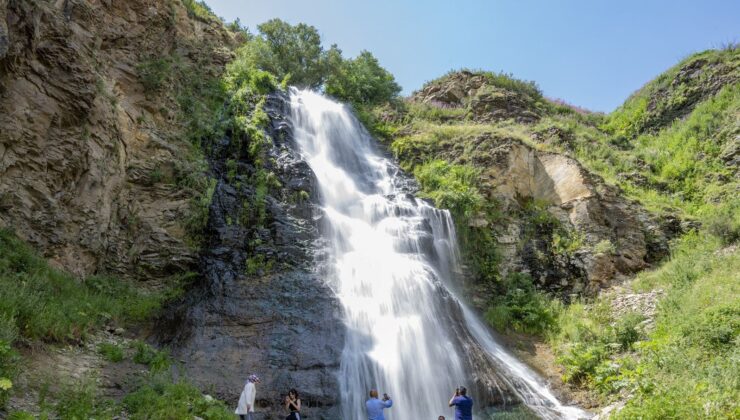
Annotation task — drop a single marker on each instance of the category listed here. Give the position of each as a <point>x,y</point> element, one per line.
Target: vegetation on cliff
<point>41,306</point>
<point>196,96</point>
<point>673,148</point>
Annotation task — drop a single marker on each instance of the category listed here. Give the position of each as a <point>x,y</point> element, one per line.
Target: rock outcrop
<point>83,150</point>
<point>480,97</point>
<point>616,236</point>
<point>563,225</point>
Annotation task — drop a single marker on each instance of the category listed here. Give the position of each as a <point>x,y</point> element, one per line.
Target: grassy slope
<point>666,147</point>
<point>44,307</point>
<point>687,366</point>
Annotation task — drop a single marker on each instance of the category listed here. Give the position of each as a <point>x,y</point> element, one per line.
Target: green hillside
<point>674,147</point>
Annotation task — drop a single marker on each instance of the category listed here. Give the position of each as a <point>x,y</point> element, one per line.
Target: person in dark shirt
<point>463,404</point>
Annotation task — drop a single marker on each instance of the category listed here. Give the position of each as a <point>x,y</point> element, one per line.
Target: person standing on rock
<point>245,408</point>
<point>463,404</point>
<point>293,404</point>
<point>375,406</point>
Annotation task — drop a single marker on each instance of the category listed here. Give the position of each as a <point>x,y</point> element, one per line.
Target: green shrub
<point>627,331</point>
<point>161,398</point>
<point>154,73</point>
<point>567,241</point>
<point>80,401</point>
<point>604,246</point>
<point>451,187</point>
<point>157,360</point>
<point>581,360</point>
<point>521,307</point>
<point>724,223</point>
<point>197,219</point>
<point>716,329</point>
<point>21,415</point>
<point>627,121</point>
<point>8,357</point>
<point>111,352</point>
<point>199,10</point>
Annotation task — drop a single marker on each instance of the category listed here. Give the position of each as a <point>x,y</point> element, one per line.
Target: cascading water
<point>390,261</point>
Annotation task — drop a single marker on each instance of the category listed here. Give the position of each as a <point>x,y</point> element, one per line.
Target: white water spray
<point>391,259</point>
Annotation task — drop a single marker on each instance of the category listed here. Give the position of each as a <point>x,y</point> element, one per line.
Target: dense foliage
<point>294,53</point>
<point>289,51</point>
<point>362,81</point>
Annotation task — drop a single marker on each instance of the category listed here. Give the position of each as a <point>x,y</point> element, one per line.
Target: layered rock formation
<point>83,150</point>
<point>516,174</point>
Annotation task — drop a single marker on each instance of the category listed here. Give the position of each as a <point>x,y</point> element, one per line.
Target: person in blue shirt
<point>375,406</point>
<point>463,404</point>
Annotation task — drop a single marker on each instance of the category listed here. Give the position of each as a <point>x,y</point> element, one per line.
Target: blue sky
<point>590,53</point>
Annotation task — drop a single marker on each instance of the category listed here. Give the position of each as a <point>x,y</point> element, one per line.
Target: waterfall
<point>391,259</point>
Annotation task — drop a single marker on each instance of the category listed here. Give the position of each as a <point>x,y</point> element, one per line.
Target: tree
<point>362,81</point>
<point>286,50</point>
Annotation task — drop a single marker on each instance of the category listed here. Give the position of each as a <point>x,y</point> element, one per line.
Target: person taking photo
<point>463,404</point>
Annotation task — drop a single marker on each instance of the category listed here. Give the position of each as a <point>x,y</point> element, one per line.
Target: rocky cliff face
<point>519,177</point>
<point>96,167</point>
<point>83,148</point>
<point>556,221</point>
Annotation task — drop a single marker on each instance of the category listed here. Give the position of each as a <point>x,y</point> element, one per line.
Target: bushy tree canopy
<point>361,80</point>
<point>286,50</point>
<point>295,52</point>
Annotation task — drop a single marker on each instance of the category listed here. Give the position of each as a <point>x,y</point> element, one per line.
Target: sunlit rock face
<point>80,139</point>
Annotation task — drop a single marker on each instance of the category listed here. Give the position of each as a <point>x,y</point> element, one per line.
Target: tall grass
<point>41,304</point>
<point>685,367</point>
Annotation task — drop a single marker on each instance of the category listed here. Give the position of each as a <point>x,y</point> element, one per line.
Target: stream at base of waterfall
<point>392,261</point>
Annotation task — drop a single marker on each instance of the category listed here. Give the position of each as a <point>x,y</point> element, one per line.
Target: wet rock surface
<point>280,319</point>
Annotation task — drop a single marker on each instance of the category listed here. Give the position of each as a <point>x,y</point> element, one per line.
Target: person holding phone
<point>375,406</point>
<point>293,405</point>
<point>463,404</point>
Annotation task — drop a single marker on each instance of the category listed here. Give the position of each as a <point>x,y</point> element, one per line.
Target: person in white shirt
<point>245,408</point>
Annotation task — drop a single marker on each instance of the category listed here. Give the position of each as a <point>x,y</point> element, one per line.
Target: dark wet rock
<point>261,308</point>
